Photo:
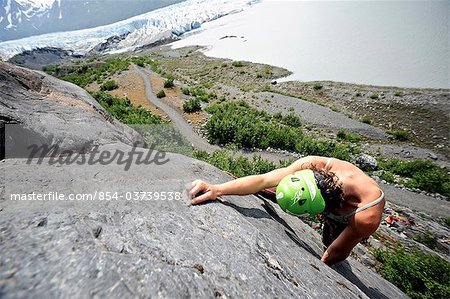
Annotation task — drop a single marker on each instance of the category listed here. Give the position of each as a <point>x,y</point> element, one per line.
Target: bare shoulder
<point>308,162</point>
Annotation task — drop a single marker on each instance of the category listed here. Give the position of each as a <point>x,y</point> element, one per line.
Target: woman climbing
<point>350,202</point>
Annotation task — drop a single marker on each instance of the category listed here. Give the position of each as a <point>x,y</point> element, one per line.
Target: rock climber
<point>349,202</point>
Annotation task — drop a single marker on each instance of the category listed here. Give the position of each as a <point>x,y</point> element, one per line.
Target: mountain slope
<point>22,18</point>
<point>144,29</point>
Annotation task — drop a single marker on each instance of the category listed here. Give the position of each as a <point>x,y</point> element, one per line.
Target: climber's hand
<point>202,191</point>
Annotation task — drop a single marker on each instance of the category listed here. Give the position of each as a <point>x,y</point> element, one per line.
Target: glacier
<point>173,20</point>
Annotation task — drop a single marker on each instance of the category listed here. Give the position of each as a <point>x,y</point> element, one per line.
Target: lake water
<point>388,43</point>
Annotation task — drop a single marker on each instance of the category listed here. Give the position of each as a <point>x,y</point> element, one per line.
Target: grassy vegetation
<point>350,137</point>
<point>143,61</point>
<point>374,96</point>
<point>238,123</point>
<point>192,105</point>
<point>90,72</point>
<point>317,86</point>
<point>199,93</point>
<point>428,239</point>
<point>447,221</point>
<point>238,165</point>
<point>123,110</point>
<point>98,70</point>
<point>168,83</point>
<point>367,119</point>
<point>421,174</point>
<point>160,94</point>
<point>109,85</point>
<point>237,64</point>
<point>418,274</point>
<point>399,134</point>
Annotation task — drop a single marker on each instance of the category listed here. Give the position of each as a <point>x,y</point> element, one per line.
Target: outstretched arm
<point>249,184</point>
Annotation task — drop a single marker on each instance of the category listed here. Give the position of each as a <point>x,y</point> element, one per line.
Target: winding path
<point>186,129</point>
<point>177,119</point>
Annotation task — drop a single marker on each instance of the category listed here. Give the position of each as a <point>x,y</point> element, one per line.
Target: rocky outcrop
<point>139,244</point>
<point>366,162</point>
<point>56,112</point>
<point>38,58</point>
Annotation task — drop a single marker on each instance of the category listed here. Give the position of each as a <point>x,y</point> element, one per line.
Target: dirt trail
<point>186,129</point>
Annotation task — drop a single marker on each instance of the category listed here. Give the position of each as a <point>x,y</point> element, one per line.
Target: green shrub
<point>185,90</point>
<point>341,134</point>
<point>388,177</point>
<point>278,116</point>
<point>160,94</point>
<point>317,86</point>
<point>424,175</point>
<point>351,137</point>
<point>109,85</point>
<point>237,64</point>
<point>239,166</point>
<point>201,94</point>
<point>142,61</point>
<point>400,134</point>
<point>245,126</point>
<point>192,105</point>
<point>374,96</point>
<point>291,120</point>
<point>51,69</point>
<point>311,146</point>
<point>418,274</point>
<point>446,221</point>
<point>366,119</point>
<point>168,83</point>
<point>398,94</point>
<point>428,239</point>
<point>85,74</point>
<point>123,110</point>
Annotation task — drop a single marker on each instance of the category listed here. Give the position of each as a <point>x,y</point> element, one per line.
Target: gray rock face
<point>134,245</point>
<point>57,112</point>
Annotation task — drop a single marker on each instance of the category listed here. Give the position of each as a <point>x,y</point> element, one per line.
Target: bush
<point>123,110</point>
<point>418,274</point>
<point>446,221</point>
<point>185,90</point>
<point>201,94</point>
<point>109,85</point>
<point>424,175</point>
<point>398,94</point>
<point>351,137</point>
<point>388,177</point>
<point>291,120</point>
<point>192,105</point>
<point>237,64</point>
<point>168,83</point>
<point>374,96</point>
<point>160,94</point>
<point>239,166</point>
<point>428,239</point>
<point>400,134</point>
<point>245,126</point>
<point>85,74</point>
<point>317,86</point>
<point>366,119</point>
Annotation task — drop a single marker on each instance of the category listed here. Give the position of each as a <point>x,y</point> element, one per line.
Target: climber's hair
<point>330,188</point>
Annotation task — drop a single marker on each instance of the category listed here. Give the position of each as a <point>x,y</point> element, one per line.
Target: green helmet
<point>298,194</point>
